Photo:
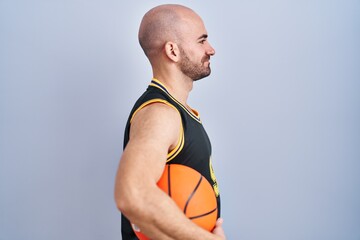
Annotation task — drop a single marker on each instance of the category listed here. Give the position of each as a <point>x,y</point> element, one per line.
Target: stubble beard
<point>193,70</point>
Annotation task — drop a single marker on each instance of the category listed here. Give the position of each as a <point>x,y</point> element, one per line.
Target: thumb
<point>219,222</point>
<point>218,230</point>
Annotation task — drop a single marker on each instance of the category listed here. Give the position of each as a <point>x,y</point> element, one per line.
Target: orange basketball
<point>192,193</point>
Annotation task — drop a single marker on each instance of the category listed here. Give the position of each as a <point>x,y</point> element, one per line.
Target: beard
<point>195,71</point>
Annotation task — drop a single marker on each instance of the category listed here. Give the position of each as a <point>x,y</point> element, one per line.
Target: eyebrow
<point>203,36</point>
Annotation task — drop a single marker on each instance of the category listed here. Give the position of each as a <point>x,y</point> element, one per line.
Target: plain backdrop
<point>282,108</point>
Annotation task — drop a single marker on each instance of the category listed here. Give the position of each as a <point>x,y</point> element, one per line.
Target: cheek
<point>196,53</point>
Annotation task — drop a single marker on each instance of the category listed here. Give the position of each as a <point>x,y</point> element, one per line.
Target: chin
<point>204,75</point>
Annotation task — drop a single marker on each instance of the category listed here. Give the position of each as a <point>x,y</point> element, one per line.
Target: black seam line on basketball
<point>202,215</point>
<point>169,182</point>
<point>192,194</point>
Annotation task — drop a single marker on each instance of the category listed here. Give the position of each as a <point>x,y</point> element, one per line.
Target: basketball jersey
<point>193,148</point>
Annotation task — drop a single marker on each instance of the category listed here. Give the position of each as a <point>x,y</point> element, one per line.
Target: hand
<point>218,230</point>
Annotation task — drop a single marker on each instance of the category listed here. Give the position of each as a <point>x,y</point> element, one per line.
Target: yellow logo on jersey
<point>213,177</point>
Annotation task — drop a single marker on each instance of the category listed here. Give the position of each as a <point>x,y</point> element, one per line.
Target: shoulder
<point>158,120</point>
<point>155,110</point>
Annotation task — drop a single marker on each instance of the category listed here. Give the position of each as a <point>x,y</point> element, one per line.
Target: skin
<point>174,39</point>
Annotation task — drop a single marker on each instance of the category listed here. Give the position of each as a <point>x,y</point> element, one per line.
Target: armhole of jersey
<point>180,144</point>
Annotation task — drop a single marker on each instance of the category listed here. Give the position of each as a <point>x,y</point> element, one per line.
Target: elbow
<point>122,202</point>
<point>126,206</point>
<point>127,202</point>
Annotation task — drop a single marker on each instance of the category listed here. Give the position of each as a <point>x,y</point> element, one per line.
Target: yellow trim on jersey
<point>193,113</point>
<point>171,155</point>
<point>179,146</point>
<point>156,100</point>
<point>213,177</point>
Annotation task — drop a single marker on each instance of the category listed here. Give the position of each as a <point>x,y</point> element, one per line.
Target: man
<point>162,128</point>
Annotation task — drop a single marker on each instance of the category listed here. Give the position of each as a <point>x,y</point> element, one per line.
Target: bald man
<point>163,129</point>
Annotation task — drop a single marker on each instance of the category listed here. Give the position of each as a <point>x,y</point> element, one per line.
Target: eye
<point>202,41</point>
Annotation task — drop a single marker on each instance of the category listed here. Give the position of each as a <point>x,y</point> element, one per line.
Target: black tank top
<point>193,148</point>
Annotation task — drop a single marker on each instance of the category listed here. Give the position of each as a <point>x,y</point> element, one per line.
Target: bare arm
<point>154,131</point>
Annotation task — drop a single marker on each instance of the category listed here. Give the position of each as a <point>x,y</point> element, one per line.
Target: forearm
<point>160,218</point>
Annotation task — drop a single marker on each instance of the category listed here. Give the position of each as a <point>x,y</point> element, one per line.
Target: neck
<point>178,86</point>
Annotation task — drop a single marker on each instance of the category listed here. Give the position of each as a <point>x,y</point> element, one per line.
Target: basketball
<point>192,193</point>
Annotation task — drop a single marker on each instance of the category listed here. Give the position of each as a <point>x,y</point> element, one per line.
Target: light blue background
<point>282,108</point>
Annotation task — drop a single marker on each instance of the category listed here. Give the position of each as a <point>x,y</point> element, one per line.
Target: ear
<point>172,51</point>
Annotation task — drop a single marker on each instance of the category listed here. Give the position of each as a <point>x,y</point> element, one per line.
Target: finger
<point>219,222</point>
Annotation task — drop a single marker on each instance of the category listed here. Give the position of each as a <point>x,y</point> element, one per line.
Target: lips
<point>206,59</point>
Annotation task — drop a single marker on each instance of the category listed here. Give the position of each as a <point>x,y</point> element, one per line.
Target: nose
<point>210,51</point>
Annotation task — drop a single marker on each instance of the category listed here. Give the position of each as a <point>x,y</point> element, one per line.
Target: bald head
<point>160,25</point>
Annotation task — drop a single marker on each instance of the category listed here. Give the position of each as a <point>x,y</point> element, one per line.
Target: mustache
<point>205,58</point>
